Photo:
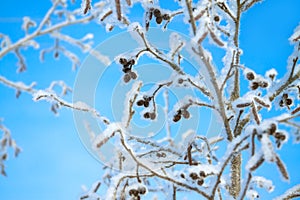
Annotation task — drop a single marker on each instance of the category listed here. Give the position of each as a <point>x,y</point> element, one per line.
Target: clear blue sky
<point>54,163</point>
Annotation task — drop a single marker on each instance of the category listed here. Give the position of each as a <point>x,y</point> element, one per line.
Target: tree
<point>257,113</point>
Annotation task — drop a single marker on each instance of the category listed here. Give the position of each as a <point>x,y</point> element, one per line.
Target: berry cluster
<point>181,113</point>
<point>141,190</point>
<point>256,83</point>
<point>272,131</point>
<point>145,102</point>
<point>286,101</point>
<point>127,66</point>
<point>159,17</point>
<point>196,177</point>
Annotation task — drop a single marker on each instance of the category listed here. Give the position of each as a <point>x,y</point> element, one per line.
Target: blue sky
<point>54,163</point>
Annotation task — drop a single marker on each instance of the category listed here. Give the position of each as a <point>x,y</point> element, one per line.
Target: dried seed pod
<point>126,78</point>
<point>157,13</point>
<point>158,20</point>
<point>250,76</point>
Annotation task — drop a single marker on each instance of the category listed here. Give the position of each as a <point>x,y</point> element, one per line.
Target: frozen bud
<point>157,13</point>
<point>159,20</point>
<point>140,102</point>
<point>216,18</point>
<point>254,85</point>
<point>250,76</point>
<point>132,75</point>
<point>194,176</point>
<point>126,78</point>
<point>200,182</point>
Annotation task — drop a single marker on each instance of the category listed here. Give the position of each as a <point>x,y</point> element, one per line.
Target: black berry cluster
<point>141,190</point>
<point>198,177</point>
<point>159,16</point>
<point>144,102</point>
<point>181,113</point>
<point>285,101</point>
<point>127,69</point>
<point>256,83</point>
<point>272,131</point>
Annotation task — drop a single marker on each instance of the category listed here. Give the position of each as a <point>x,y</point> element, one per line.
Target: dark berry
<point>131,62</point>
<point>202,174</point>
<point>182,176</point>
<point>159,20</point>
<point>272,128</point>
<point>194,176</point>
<point>176,118</point>
<point>146,104</point>
<point>289,102</point>
<point>140,102</point>
<point>250,76</point>
<point>277,135</point>
<point>285,95</point>
<point>217,18</point>
<point>200,182</point>
<point>157,13</point>
<point>166,17</point>
<point>147,98</point>
<point>147,115</point>
<point>254,85</point>
<point>281,103</point>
